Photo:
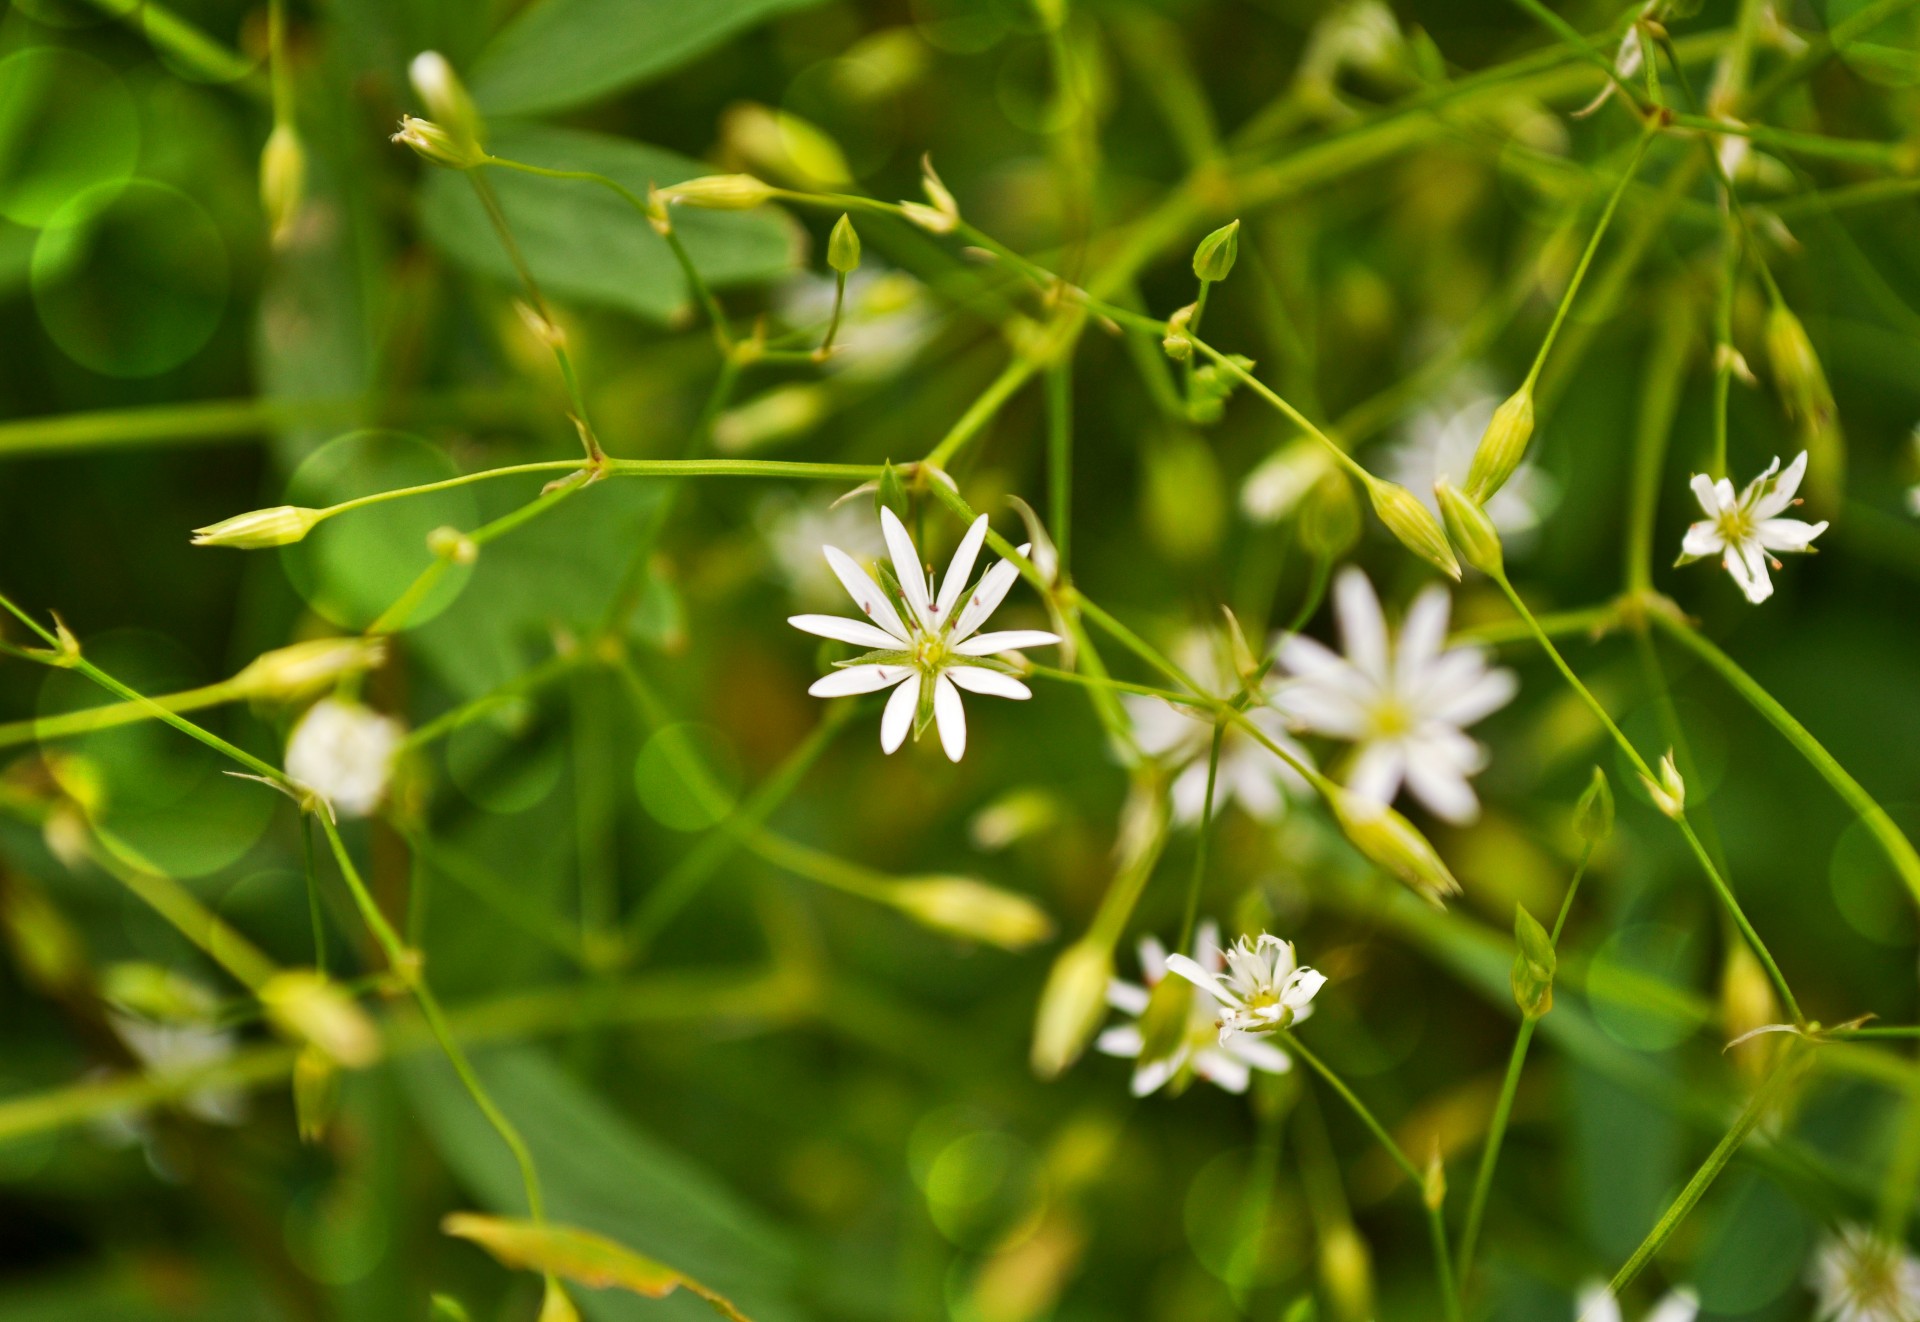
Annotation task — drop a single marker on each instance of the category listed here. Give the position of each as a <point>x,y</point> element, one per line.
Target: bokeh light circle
<point>69,125</point>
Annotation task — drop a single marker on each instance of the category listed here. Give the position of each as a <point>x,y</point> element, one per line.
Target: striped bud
<point>1413,524</point>
<point>1502,446</point>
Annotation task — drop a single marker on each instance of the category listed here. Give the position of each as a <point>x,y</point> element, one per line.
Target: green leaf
<point>562,53</point>
<point>576,1255</point>
<point>585,242</point>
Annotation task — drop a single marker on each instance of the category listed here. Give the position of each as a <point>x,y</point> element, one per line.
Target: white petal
<point>1206,944</point>
<point>993,589</point>
<point>1149,1077</point>
<point>1363,629</point>
<point>978,679</point>
<point>1158,726</point>
<point>906,564</point>
<point>1377,771</point>
<point>1322,708</point>
<point>1201,978</point>
<point>1788,534</point>
<point>1702,540</point>
<point>1763,484</point>
<point>1253,786</point>
<point>897,719</point>
<point>1783,490</point>
<point>1422,633</point>
<point>858,679</point>
<point>1597,1304</point>
<point>1127,997</point>
<point>1007,640</point>
<point>1709,495</point>
<point>1748,565</point>
<point>959,570</point>
<point>866,594</point>
<point>1221,1069</point>
<point>1124,1040</point>
<point>1488,693</point>
<point>857,632</point>
<point>950,716</point>
<point>1259,1053</point>
<point>1682,1305</point>
<point>1437,782</point>
<point>1189,792</point>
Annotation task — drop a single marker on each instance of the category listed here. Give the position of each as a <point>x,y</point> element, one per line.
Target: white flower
<point>1742,530</point>
<point>344,753</point>
<point>1249,773</point>
<point>795,527</point>
<point>1404,707</point>
<point>171,1050</point>
<point>1223,1059</point>
<point>1263,987</point>
<point>1439,442</point>
<point>1860,1277</point>
<point>927,654</point>
<point>1597,1304</point>
<point>885,322</point>
<point>1626,62</point>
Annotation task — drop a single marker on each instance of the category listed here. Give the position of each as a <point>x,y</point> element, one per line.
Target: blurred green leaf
<point>583,241</point>
<point>564,53</point>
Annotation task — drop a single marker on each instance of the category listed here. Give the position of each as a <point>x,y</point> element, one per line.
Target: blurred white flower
<point>344,753</point>
<point>1404,706</point>
<point>1627,60</point>
<point>1857,1276</point>
<point>1263,987</point>
<point>930,653</point>
<point>1742,530</point>
<point>795,527</point>
<point>1223,1059</point>
<point>887,319</point>
<point>1439,442</point>
<point>1597,1304</point>
<point>168,1051</point>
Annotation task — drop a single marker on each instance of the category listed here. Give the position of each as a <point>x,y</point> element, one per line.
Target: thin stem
<point>1661,382</point>
<point>313,895</point>
<point>833,322</point>
<point>1059,381</point>
<point>1200,845</point>
<point>982,410</point>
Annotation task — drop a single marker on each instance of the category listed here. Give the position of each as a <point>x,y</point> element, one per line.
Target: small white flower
<point>1597,1304</point>
<point>1742,530</point>
<point>1263,987</point>
<point>344,753</point>
<point>1860,1277</point>
<point>1626,62</point>
<point>170,1050</point>
<point>1404,706</point>
<point>1439,442</point>
<point>1223,1059</point>
<point>795,527</point>
<point>924,649</point>
<point>885,322</point>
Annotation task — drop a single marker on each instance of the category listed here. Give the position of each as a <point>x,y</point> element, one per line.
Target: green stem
<point>982,410</point>
<point>1200,845</point>
<point>1059,381</point>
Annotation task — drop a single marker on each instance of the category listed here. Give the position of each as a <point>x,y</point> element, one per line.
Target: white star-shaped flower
<point>1742,530</point>
<point>1224,1060</point>
<point>924,649</point>
<point>1859,1277</point>
<point>1597,1304</point>
<point>1262,988</point>
<point>1403,706</point>
<point>344,753</point>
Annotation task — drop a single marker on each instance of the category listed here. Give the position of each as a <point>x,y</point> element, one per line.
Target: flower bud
<point>1502,446</point>
<point>1276,487</point>
<point>1534,964</point>
<point>288,674</point>
<point>937,193</point>
<point>930,219</point>
<point>435,145</point>
<point>1413,523</point>
<point>1748,1003</point>
<point>963,907</point>
<point>1071,1006</point>
<point>1330,517</point>
<point>1593,815</point>
<point>556,1306</point>
<point>1796,368</point>
<point>1213,260</point>
<point>316,1092</point>
<point>1433,1188</point>
<point>843,246</point>
<point>283,180</point>
<point>1176,344</point>
<point>1669,794</point>
<point>307,1007</point>
<point>453,546</point>
<point>1392,842</point>
<point>1014,816</point>
<point>1346,1270</point>
<point>148,991</point>
<point>281,525</point>
<point>719,192</point>
<point>445,97</point>
<point>1469,528</point>
<point>784,146</point>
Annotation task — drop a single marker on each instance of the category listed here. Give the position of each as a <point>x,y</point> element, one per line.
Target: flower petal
<point>1122,1040</point>
<point>978,679</point>
<point>1259,1053</point>
<point>1422,634</point>
<point>866,593</point>
<point>959,570</point>
<point>950,716</point>
<point>985,599</point>
<point>1207,982</point>
<point>1702,540</point>
<point>1007,640</point>
<point>1377,772</point>
<point>841,630</point>
<point>1487,693</point>
<point>906,564</point>
<point>1706,493</point>
<point>846,682</point>
<point>1436,781</point>
<point>1788,534</point>
<point>1748,565</point>
<point>1149,1077</point>
<point>1221,1069</point>
<point>1363,629</point>
<point>1780,495</point>
<point>1764,485</point>
<point>897,719</point>
<point>1127,997</point>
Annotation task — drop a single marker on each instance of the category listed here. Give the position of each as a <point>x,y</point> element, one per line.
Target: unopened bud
<point>1469,528</point>
<point>936,191</point>
<point>1748,1003</point>
<point>1346,1270</point>
<point>1669,793</point>
<point>1726,358</point>
<point>281,525</point>
<point>1330,517</point>
<point>1392,842</point>
<point>1014,816</point>
<point>720,192</point>
<point>283,180</point>
<point>1071,1006</point>
<point>1796,368</point>
<point>1433,1187</point>
<point>316,1092</point>
<point>657,214</point>
<point>1593,815</point>
<point>1246,662</point>
<point>843,246</point>
<point>1502,446</point>
<point>149,991</point>
<point>433,143</point>
<point>1534,964</point>
<point>453,546</point>
<point>1213,260</point>
<point>310,1009</point>
<point>930,219</point>
<point>963,907</point>
<point>780,413</point>
<point>1176,343</point>
<point>445,97</point>
<point>783,145</point>
<point>288,674</point>
<point>1413,524</point>
<point>542,329</point>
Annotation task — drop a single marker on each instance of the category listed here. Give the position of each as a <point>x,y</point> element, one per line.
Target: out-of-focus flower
<point>1404,706</point>
<point>1857,1276</point>
<point>796,527</point>
<point>932,651</point>
<point>1742,530</point>
<point>1263,988</point>
<point>1597,1304</point>
<point>344,753</point>
<point>1223,1059</point>
<point>171,1050</point>
<point>1627,60</point>
<point>1439,442</point>
<point>885,322</point>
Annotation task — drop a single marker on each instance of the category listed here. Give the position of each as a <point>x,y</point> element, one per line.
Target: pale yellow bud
<point>1413,524</point>
<point>1747,1003</point>
<point>1176,342</point>
<point>1669,793</point>
<point>453,546</point>
<point>1071,1006</point>
<point>963,907</point>
<point>283,180</point>
<point>1502,446</point>
<point>446,100</point>
<point>720,192</point>
<point>1346,1270</point>
<point>777,415</point>
<point>1393,843</point>
<point>936,191</point>
<point>307,1007</point>
<point>1469,528</point>
<point>930,219</point>
<point>1433,1188</point>
<point>556,1306</point>
<point>278,526</point>
<point>783,145</point>
<point>1796,368</point>
<point>288,674</point>
<point>433,143</point>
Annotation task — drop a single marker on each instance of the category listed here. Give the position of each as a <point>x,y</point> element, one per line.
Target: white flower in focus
<point>885,322</point>
<point>928,651</point>
<point>1225,1060</point>
<point>1439,442</point>
<point>1262,989</point>
<point>169,1051</point>
<point>1404,707</point>
<point>1859,1277</point>
<point>1597,1304</point>
<point>344,753</point>
<point>1742,530</point>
